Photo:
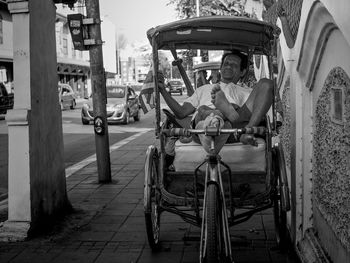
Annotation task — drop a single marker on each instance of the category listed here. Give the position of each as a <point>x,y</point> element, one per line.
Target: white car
<point>122,104</point>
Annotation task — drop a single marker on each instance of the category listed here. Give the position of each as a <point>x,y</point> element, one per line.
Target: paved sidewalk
<point>107,224</point>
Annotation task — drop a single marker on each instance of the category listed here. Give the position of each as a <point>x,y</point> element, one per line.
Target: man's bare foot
<point>221,103</point>
<point>213,120</point>
<point>248,139</point>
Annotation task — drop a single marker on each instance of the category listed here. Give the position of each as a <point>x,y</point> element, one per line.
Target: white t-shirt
<point>234,93</point>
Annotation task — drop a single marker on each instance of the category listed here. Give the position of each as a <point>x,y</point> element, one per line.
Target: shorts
<point>243,119</point>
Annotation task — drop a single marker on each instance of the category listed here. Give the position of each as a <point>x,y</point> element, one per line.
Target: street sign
<point>99,125</point>
<point>78,27</point>
<point>78,31</point>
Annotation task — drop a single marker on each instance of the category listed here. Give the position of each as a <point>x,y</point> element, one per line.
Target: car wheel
<point>127,118</point>
<point>85,122</point>
<point>73,105</point>
<point>138,116</point>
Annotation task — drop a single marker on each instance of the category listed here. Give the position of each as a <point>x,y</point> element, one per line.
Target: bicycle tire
<point>151,201</point>
<point>280,215</point>
<point>213,225</point>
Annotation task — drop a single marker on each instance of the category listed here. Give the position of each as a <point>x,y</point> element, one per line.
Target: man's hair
<point>243,57</point>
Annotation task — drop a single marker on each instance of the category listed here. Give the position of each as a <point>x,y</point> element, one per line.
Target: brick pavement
<point>107,223</point>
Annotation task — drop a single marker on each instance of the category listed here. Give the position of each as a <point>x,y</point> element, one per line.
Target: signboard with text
<point>77,30</point>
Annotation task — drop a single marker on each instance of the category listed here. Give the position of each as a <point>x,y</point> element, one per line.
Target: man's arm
<point>180,111</point>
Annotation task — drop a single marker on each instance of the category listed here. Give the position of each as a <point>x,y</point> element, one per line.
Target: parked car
<point>66,96</point>
<point>175,86</point>
<point>122,104</point>
<point>6,99</point>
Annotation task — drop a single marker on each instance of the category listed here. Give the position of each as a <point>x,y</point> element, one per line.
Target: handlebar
<point>213,131</point>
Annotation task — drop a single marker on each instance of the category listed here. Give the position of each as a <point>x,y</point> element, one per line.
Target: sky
<point>134,17</point>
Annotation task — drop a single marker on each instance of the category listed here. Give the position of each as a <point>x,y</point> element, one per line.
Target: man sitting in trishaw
<point>202,187</point>
<point>226,104</point>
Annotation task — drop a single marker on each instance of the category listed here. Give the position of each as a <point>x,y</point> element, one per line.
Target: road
<point>78,139</point>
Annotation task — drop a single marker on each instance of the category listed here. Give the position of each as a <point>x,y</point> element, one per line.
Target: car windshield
<point>116,92</point>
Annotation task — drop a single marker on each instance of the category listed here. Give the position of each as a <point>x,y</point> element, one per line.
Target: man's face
<point>231,69</point>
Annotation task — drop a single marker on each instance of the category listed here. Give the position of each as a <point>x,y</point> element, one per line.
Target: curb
<point>71,170</point>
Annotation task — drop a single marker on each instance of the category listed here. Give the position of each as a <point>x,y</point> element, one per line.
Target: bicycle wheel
<point>213,225</point>
<point>215,244</point>
<point>279,212</point>
<point>151,199</point>
<point>280,217</point>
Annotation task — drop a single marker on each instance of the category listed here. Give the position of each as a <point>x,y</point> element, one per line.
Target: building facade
<point>135,63</point>
<point>314,84</point>
<point>73,66</point>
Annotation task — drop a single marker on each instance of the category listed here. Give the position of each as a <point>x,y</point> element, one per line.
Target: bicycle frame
<point>213,176</point>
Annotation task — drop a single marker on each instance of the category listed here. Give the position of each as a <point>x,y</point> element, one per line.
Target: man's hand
<point>149,77</point>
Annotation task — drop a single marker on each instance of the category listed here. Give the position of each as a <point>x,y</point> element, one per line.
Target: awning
<point>71,69</point>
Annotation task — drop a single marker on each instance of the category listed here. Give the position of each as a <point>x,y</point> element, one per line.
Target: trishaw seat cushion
<point>239,157</point>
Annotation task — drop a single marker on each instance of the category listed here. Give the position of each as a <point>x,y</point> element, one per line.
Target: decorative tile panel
<point>331,147</point>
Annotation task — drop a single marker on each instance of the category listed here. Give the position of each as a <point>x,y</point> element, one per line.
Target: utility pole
<point>197,59</point>
<point>99,97</point>
<point>197,14</point>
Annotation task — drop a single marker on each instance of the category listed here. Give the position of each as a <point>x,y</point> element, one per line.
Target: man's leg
<point>258,102</point>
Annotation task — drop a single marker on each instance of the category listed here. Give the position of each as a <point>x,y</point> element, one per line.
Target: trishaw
<point>214,192</point>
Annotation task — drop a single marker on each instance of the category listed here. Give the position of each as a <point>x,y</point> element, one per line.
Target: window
<point>337,105</point>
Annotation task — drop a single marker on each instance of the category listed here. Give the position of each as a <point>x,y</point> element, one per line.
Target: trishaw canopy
<point>215,33</point>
